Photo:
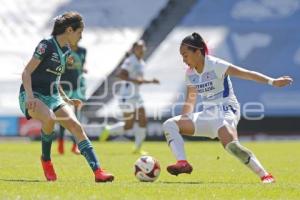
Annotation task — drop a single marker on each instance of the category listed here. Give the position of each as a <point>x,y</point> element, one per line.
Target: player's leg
<point>47,117</point>
<point>173,129</point>
<point>67,119</point>
<point>124,126</point>
<point>140,133</point>
<point>74,148</point>
<point>229,139</point>
<point>129,119</point>
<point>75,94</point>
<point>60,140</point>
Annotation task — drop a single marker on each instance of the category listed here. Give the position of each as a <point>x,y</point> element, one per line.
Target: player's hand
<point>75,102</point>
<point>155,81</point>
<point>31,103</point>
<point>282,81</point>
<point>70,60</point>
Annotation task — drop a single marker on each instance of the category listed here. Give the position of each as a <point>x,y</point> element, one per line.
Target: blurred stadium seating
<point>259,35</point>
<point>111,28</point>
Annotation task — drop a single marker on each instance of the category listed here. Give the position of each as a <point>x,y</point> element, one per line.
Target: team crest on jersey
<point>207,76</point>
<point>194,78</point>
<point>41,48</point>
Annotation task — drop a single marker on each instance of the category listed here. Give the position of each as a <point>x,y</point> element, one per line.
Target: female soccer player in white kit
<point>208,77</point>
<point>130,100</point>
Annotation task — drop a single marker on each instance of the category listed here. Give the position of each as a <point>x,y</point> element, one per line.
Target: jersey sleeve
<point>221,67</point>
<point>191,78</point>
<point>42,50</point>
<point>127,64</point>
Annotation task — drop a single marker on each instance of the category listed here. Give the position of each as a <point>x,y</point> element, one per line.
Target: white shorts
<point>129,105</point>
<point>209,121</point>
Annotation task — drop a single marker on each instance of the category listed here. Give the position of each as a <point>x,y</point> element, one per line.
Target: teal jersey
<point>72,76</point>
<point>45,78</point>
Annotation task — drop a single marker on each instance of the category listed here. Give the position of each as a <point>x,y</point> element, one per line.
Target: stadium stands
<point>110,31</point>
<point>258,35</point>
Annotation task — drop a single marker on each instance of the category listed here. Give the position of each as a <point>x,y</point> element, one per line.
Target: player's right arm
<point>190,100</point>
<point>41,51</point>
<point>124,75</point>
<point>26,79</point>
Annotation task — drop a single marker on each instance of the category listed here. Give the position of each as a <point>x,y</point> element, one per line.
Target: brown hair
<point>68,19</point>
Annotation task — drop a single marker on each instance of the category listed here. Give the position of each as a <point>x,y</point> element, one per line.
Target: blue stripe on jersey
<point>226,87</point>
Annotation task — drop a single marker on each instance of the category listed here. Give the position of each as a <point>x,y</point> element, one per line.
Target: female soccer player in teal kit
<point>40,95</point>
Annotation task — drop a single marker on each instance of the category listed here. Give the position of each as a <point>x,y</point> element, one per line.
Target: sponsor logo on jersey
<point>55,57</point>
<point>58,70</point>
<point>194,78</point>
<point>41,48</point>
<point>208,76</point>
<point>205,87</point>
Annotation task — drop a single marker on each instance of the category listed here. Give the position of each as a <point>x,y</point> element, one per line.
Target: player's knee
<point>170,126</point>
<point>48,121</point>
<point>128,126</point>
<point>239,151</point>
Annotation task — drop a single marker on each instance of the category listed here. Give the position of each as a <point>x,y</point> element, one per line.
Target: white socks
<point>246,157</point>
<point>140,135</point>
<point>116,129</point>
<point>139,132</point>
<point>256,167</point>
<point>174,139</point>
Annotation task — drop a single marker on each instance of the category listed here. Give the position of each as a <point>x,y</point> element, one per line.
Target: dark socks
<point>87,151</point>
<point>46,146</point>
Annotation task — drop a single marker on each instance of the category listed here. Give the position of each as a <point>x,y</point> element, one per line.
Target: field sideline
<point>216,175</point>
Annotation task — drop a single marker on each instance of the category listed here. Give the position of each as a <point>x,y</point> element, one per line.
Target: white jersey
<point>213,85</point>
<point>135,68</point>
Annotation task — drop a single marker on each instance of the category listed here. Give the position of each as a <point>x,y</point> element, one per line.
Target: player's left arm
<point>258,77</point>
<point>75,102</point>
<point>84,69</point>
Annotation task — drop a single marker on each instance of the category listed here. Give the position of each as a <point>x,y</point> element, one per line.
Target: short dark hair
<point>194,42</point>
<point>68,19</point>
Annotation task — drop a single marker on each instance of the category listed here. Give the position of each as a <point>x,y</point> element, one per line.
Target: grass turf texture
<point>216,175</point>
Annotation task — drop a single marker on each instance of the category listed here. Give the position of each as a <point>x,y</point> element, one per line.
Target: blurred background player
<point>73,83</point>
<point>40,95</point>
<point>208,77</point>
<point>130,100</point>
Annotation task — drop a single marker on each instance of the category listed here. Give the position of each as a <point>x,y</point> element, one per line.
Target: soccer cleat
<point>60,147</point>
<point>75,149</point>
<point>139,151</point>
<point>48,170</point>
<point>102,176</point>
<point>268,179</point>
<point>104,134</point>
<point>182,166</point>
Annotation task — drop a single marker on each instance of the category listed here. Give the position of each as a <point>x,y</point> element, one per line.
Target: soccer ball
<point>147,169</point>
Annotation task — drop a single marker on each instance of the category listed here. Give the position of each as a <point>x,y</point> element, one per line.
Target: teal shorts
<point>79,93</point>
<point>53,102</point>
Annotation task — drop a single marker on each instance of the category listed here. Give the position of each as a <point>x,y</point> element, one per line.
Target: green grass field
<point>216,175</point>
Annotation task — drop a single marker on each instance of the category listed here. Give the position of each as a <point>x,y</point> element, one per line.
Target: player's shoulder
<point>82,49</point>
<point>130,59</point>
<point>46,43</point>
<point>214,61</point>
